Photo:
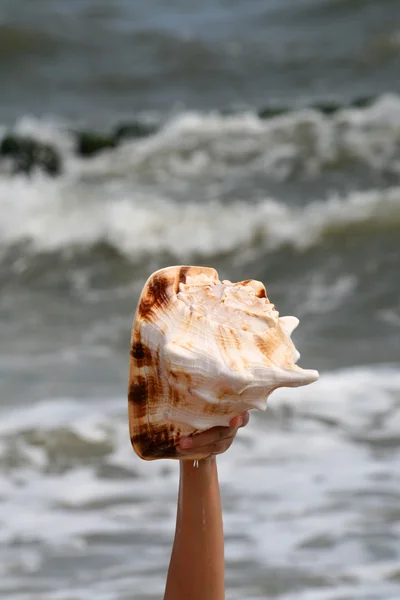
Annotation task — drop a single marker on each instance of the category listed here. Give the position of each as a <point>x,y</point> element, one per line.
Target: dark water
<point>307,201</point>
<point>93,60</point>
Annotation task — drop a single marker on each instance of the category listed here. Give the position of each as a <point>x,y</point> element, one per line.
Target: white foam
<point>193,143</point>
<point>305,141</point>
<point>58,215</point>
<point>301,472</point>
<point>131,196</point>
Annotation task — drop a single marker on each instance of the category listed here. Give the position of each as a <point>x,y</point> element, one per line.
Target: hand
<point>213,441</point>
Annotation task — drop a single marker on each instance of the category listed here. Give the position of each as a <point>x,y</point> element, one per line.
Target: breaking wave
<point>52,217</point>
<point>201,184</point>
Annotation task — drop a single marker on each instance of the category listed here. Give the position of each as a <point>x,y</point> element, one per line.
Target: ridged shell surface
<point>202,352</point>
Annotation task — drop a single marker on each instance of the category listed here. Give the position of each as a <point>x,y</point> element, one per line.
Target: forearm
<point>196,570</point>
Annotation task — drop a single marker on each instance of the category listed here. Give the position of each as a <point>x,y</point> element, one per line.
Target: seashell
<point>202,352</point>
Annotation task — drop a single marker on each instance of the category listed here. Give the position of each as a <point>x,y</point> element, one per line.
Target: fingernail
<point>240,422</point>
<point>186,443</point>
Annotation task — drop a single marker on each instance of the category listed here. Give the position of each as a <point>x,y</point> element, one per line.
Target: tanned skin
<point>196,570</point>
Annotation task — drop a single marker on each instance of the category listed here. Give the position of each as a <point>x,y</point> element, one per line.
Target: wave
<point>197,185</point>
<point>51,216</point>
<point>300,143</point>
<point>295,144</point>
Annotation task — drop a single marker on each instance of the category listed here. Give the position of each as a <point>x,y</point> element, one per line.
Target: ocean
<point>266,144</point>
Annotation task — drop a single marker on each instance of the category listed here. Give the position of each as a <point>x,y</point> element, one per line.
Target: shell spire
<point>202,352</point>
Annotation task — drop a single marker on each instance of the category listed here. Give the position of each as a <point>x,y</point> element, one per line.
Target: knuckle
<point>246,419</point>
<point>221,434</point>
<point>221,446</point>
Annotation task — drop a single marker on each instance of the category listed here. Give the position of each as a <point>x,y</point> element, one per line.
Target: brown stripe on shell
<point>157,444</point>
<point>221,339</point>
<point>138,393</point>
<point>226,348</point>
<point>235,338</point>
<point>154,297</point>
<point>141,354</point>
<point>221,408</point>
<point>181,277</point>
<point>261,345</point>
<point>157,363</point>
<point>180,387</point>
<point>260,292</point>
<point>269,343</point>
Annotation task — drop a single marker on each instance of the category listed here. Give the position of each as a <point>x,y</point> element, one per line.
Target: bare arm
<point>196,570</point>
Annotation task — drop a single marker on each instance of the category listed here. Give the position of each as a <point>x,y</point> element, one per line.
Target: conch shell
<point>202,352</point>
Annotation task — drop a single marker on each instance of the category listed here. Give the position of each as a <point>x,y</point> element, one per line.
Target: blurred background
<point>261,137</point>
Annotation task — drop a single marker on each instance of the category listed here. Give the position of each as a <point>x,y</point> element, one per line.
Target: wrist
<point>191,465</point>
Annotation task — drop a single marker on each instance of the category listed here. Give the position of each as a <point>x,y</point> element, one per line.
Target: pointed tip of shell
<point>307,375</point>
<point>289,323</point>
<point>312,375</point>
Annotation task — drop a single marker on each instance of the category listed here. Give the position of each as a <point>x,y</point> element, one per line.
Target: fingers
<point>214,447</point>
<point>215,440</point>
<point>240,421</point>
<point>211,436</point>
<point>236,422</point>
<point>222,446</point>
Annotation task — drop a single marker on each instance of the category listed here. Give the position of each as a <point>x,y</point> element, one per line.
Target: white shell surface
<point>204,351</point>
